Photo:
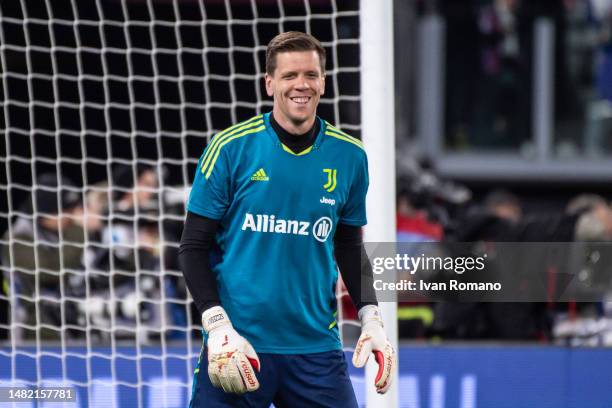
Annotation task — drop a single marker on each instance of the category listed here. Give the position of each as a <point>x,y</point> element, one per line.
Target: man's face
<point>296,85</point>
<point>508,212</point>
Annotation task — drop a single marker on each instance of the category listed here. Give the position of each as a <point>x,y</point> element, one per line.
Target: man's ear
<point>323,83</point>
<point>268,81</point>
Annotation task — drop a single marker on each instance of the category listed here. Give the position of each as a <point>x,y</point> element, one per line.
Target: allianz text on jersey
<point>265,223</point>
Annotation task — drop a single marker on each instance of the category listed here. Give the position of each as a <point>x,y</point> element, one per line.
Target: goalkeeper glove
<point>374,340</point>
<point>231,359</point>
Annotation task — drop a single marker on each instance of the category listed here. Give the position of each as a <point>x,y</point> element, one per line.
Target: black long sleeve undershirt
<point>197,240</point>
<point>354,265</point>
<point>194,258</point>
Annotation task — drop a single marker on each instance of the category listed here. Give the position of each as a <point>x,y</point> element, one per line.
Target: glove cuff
<point>369,313</point>
<point>213,318</point>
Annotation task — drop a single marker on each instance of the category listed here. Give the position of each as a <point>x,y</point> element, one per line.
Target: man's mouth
<point>302,100</point>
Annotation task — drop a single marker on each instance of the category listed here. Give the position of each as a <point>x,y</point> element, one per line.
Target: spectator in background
<point>45,255</point>
<point>589,227</point>
<point>134,187</point>
<point>507,320</point>
<point>588,323</point>
<point>504,205</point>
<point>501,221</point>
<point>501,212</point>
<point>129,256</point>
<point>413,224</point>
<point>132,234</point>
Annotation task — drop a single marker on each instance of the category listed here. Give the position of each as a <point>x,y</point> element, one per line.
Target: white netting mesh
<point>108,96</point>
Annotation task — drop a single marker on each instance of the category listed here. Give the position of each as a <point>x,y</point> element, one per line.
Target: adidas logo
<point>260,175</point>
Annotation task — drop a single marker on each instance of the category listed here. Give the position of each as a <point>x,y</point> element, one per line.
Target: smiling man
<point>276,208</point>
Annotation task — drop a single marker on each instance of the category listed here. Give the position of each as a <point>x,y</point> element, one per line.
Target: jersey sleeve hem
<point>336,345</point>
<point>204,212</point>
<point>353,222</point>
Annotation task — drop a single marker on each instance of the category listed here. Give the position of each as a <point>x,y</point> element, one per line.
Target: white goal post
<point>378,134</point>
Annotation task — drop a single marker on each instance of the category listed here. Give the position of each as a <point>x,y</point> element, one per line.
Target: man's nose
<point>302,83</point>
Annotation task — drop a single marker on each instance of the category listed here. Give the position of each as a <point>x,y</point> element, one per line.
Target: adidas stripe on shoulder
<point>253,125</point>
<point>333,131</point>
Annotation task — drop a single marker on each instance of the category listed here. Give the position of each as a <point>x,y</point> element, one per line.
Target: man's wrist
<point>213,318</point>
<point>368,314</point>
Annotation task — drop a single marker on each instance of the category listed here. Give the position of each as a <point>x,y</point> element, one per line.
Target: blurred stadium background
<point>502,107</point>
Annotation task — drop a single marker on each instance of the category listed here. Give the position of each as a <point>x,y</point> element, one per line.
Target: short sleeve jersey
<point>278,212</point>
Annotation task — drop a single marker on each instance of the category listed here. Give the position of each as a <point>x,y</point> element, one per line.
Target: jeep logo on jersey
<point>322,228</point>
<point>269,223</point>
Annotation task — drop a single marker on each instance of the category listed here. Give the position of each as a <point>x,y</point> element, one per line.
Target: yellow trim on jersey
<point>339,133</point>
<point>334,129</point>
<point>226,141</point>
<point>332,324</point>
<point>354,141</point>
<point>257,120</point>
<point>303,152</point>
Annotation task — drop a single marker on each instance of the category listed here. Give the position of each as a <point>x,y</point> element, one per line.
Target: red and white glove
<point>232,361</point>
<point>374,340</point>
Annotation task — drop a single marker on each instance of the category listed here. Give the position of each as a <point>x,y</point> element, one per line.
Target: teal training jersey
<point>278,212</point>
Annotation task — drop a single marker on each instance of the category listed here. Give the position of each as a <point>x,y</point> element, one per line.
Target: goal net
<point>106,106</point>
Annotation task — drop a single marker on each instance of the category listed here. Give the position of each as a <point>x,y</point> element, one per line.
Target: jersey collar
<point>317,143</point>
